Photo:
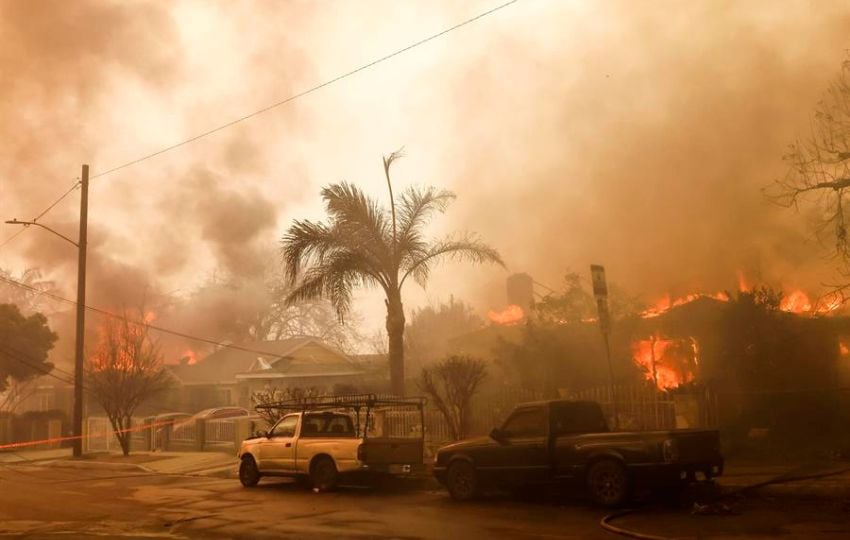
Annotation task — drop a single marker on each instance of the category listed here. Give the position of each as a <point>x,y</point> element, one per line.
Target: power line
<point>270,107</point>
<point>12,237</point>
<point>138,323</point>
<point>42,213</point>
<point>42,370</point>
<point>307,91</point>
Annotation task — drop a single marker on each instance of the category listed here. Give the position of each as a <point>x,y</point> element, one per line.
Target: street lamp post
<point>81,304</point>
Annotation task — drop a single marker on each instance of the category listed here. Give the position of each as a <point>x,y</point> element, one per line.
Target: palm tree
<point>363,244</point>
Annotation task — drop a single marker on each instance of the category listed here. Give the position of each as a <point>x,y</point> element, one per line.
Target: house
<point>232,374</point>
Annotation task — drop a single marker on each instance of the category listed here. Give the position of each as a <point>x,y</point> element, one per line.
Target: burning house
<point>753,362</point>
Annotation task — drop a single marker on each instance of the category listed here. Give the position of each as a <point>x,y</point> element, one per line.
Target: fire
<point>796,302</point>
<point>511,315</point>
<point>843,349</point>
<point>190,356</point>
<point>665,303</point>
<point>742,282</point>
<point>668,363</point>
<point>150,317</point>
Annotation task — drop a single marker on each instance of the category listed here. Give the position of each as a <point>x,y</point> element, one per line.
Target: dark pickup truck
<point>554,441</point>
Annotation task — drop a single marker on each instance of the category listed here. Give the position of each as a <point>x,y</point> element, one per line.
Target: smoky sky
<point>635,135</point>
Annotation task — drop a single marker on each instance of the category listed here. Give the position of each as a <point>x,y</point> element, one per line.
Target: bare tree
<point>450,384</point>
<point>125,371</point>
<point>819,166</point>
<point>273,394</point>
<point>30,298</point>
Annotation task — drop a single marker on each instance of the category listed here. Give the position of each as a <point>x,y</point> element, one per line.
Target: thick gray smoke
<point>634,135</point>
<point>642,139</point>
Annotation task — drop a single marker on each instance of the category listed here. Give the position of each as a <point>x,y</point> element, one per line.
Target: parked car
<point>560,441</point>
<point>219,413</point>
<point>328,439</point>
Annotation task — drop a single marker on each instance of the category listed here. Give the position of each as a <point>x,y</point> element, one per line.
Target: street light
<point>81,303</point>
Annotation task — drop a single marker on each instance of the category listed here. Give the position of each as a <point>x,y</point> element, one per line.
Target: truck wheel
<point>249,475</point>
<point>323,474</point>
<point>462,481</point>
<point>608,483</point>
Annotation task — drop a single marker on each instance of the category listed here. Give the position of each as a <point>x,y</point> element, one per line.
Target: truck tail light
<point>670,450</point>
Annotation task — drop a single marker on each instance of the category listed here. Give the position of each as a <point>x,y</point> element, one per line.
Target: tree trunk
<point>119,427</point>
<point>395,332</point>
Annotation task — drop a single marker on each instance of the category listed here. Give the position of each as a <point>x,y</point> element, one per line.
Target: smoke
<point>639,136</point>
<point>632,135</point>
<point>80,80</point>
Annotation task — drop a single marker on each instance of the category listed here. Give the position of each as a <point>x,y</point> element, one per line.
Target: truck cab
<point>558,441</point>
<point>323,444</point>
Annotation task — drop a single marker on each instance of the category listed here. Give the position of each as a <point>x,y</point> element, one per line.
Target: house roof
<point>282,360</point>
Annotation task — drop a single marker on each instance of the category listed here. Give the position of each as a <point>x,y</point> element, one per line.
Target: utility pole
<point>81,303</point>
<point>600,292</point>
<point>81,312</point>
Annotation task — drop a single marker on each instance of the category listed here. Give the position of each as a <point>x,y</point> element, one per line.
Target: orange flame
<point>796,302</point>
<point>665,303</point>
<point>843,349</point>
<point>191,356</point>
<point>742,282</point>
<point>511,315</point>
<point>668,363</point>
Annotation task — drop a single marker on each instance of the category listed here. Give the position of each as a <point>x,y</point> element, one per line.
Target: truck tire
<point>462,481</point>
<point>608,483</point>
<point>323,474</point>
<point>249,474</point>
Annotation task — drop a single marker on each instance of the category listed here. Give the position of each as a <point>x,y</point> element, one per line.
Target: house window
<point>227,396</point>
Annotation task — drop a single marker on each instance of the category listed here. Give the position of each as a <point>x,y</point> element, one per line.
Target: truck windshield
<point>327,425</point>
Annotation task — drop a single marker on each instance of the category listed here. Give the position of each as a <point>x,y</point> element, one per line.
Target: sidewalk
<point>195,463</point>
<point>823,484</point>
<point>23,456</point>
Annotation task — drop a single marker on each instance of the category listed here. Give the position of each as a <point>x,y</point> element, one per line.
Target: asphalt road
<point>45,502</point>
<point>41,502</point>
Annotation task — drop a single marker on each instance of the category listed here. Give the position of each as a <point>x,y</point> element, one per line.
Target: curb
<point>101,465</point>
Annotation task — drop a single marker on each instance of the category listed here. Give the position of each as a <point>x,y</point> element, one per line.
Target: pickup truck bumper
<point>670,473</point>
<point>396,469</point>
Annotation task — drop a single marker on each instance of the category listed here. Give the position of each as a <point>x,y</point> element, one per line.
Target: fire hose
<point>784,478</point>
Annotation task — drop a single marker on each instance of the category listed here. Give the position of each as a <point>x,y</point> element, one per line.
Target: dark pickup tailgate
<point>697,446</point>
<point>381,452</point>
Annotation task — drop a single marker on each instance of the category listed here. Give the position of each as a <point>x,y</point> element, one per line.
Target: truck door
<point>570,424</point>
<point>524,452</point>
<point>277,452</point>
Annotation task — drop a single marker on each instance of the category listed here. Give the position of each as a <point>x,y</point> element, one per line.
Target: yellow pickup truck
<point>322,439</point>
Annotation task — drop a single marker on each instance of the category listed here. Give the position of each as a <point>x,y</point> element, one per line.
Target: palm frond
<point>388,160</point>
<point>467,248</point>
<point>305,241</point>
<point>416,206</point>
<point>334,279</point>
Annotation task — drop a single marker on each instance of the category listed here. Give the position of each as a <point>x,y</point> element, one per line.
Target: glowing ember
<point>511,315</point>
<point>843,350</point>
<point>150,317</point>
<point>666,362</point>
